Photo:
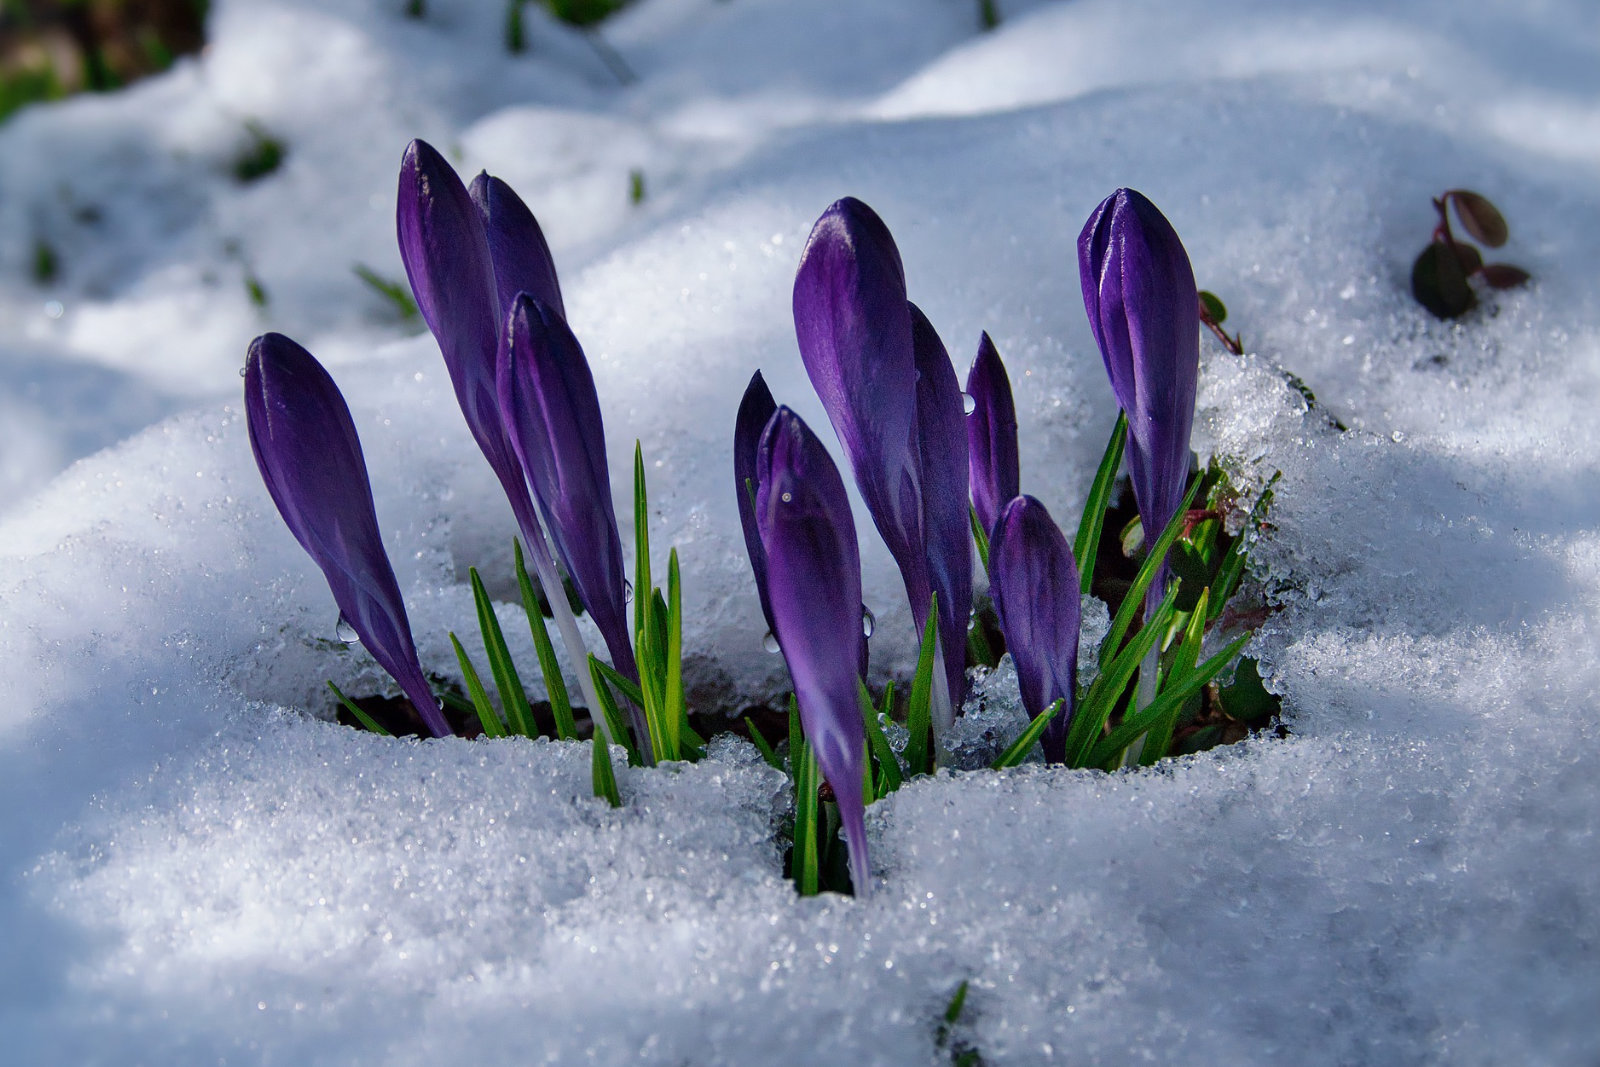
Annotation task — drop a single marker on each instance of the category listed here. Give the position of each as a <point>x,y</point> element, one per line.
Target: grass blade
<point>641,545</point>
<point>1159,739</point>
<point>1019,749</point>
<point>1136,724</point>
<point>601,773</point>
<point>889,778</point>
<point>1147,574</point>
<point>555,686</point>
<point>1232,570</point>
<point>367,722</point>
<point>807,860</point>
<point>492,727</point>
<point>980,537</point>
<point>919,749</point>
<point>618,681</point>
<point>613,716</point>
<point>767,751</point>
<point>1113,682</point>
<point>519,715</point>
<point>1087,544</point>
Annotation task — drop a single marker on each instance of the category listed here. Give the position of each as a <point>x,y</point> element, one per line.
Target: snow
<point>196,866</point>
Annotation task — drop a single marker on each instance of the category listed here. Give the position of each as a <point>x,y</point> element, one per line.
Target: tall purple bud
<point>875,363</point>
<point>1144,309</point>
<point>991,436</point>
<point>551,409</point>
<point>448,262</point>
<point>310,458</point>
<point>755,411</point>
<point>521,259</point>
<point>814,579</point>
<point>1034,582</point>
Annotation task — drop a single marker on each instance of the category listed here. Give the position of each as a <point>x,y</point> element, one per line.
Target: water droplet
<point>627,591</point>
<point>54,309</point>
<point>243,371</point>
<point>346,633</point>
<point>1398,436</point>
<point>969,403</point>
<point>769,642</point>
<point>868,622</point>
<point>787,497</point>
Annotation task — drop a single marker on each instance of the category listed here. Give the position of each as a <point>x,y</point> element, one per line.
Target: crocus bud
<point>447,260</point>
<point>310,459</point>
<point>552,412</point>
<point>1034,583</point>
<point>991,436</point>
<point>521,259</point>
<point>875,362</point>
<point>814,579</point>
<point>1144,309</point>
<point>755,410</point>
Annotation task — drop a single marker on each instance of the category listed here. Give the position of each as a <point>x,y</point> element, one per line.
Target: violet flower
<point>518,253</point>
<point>310,459</point>
<point>889,390</point>
<point>552,413</point>
<point>991,436</point>
<point>814,579</point>
<point>1144,309</point>
<point>755,411</point>
<point>1034,583</point>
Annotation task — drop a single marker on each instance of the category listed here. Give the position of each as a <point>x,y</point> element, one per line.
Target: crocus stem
<point>533,533</point>
<point>940,711</point>
<point>1147,676</point>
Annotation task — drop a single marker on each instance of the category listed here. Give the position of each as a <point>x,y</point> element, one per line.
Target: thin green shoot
<point>492,727</point>
<point>1159,739</point>
<point>980,537</point>
<point>806,862</point>
<point>1019,749</point>
<point>919,718</point>
<point>1111,746</point>
<point>398,296</point>
<point>1113,681</point>
<point>555,686</point>
<point>1087,544</point>
<point>618,681</point>
<point>519,715</point>
<point>1232,570</point>
<point>456,702</point>
<point>601,774</point>
<point>1147,574</point>
<point>768,753</point>
<point>611,714</point>
<point>367,721</point>
<point>888,777</point>
<point>641,543</point>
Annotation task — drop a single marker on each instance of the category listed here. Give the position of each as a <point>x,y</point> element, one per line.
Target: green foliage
<point>398,296</point>
<point>583,12</point>
<point>262,154</point>
<point>1086,546</point>
<point>46,264</point>
<point>635,186</point>
<point>919,720</point>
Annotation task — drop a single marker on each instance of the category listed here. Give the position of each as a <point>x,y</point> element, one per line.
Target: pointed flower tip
<point>992,449</point>
<point>517,246</point>
<point>755,411</point>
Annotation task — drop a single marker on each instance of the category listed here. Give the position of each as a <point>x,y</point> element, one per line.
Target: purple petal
<point>814,577</point>
<point>854,331</point>
<point>947,531</point>
<point>517,249</point>
<point>1139,291</point>
<point>755,410</point>
<point>447,260</point>
<point>552,411</point>
<point>991,435</point>
<point>1034,583</point>
<point>305,444</point>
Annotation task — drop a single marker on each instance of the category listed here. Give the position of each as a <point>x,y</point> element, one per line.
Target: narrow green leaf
<point>1087,544</point>
<point>952,1012</point>
<point>612,715</point>
<point>888,699</point>
<point>1139,722</point>
<point>641,543</point>
<point>889,778</point>
<point>1147,574</point>
<point>399,296</point>
<point>456,702</point>
<point>1113,682</point>
<point>1231,571</point>
<point>1159,739</point>
<point>980,537</point>
<point>919,749</point>
<point>796,735</point>
<point>807,861</point>
<point>367,722</point>
<point>601,773</point>
<point>492,726</point>
<point>652,684</point>
<point>766,750</point>
<point>619,682</point>
<point>555,686</point>
<point>1019,749</point>
<point>677,710</point>
<point>519,715</point>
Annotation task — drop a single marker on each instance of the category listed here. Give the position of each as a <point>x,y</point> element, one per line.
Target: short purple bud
<point>991,435</point>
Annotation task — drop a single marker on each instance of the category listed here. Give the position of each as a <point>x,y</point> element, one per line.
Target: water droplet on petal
<point>787,497</point>
<point>346,633</point>
<point>769,641</point>
<point>627,591</point>
<point>868,622</point>
<point>969,403</point>
<point>243,371</point>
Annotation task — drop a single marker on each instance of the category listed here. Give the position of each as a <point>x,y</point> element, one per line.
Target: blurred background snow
<point>195,867</point>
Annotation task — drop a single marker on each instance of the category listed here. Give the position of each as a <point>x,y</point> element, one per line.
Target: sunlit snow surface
<point>194,868</point>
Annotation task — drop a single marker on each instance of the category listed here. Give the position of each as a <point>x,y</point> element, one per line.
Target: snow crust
<point>195,866</point>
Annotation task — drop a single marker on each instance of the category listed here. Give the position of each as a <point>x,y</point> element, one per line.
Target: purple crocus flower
<point>887,385</point>
<point>755,411</point>
<point>991,436</point>
<point>310,459</point>
<point>1144,309</point>
<point>452,275</point>
<point>552,412</point>
<point>1034,582</point>
<point>814,578</point>
<point>517,250</point>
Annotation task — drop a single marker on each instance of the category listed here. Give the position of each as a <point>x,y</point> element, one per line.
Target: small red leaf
<point>1505,276</point>
<point>1480,218</point>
